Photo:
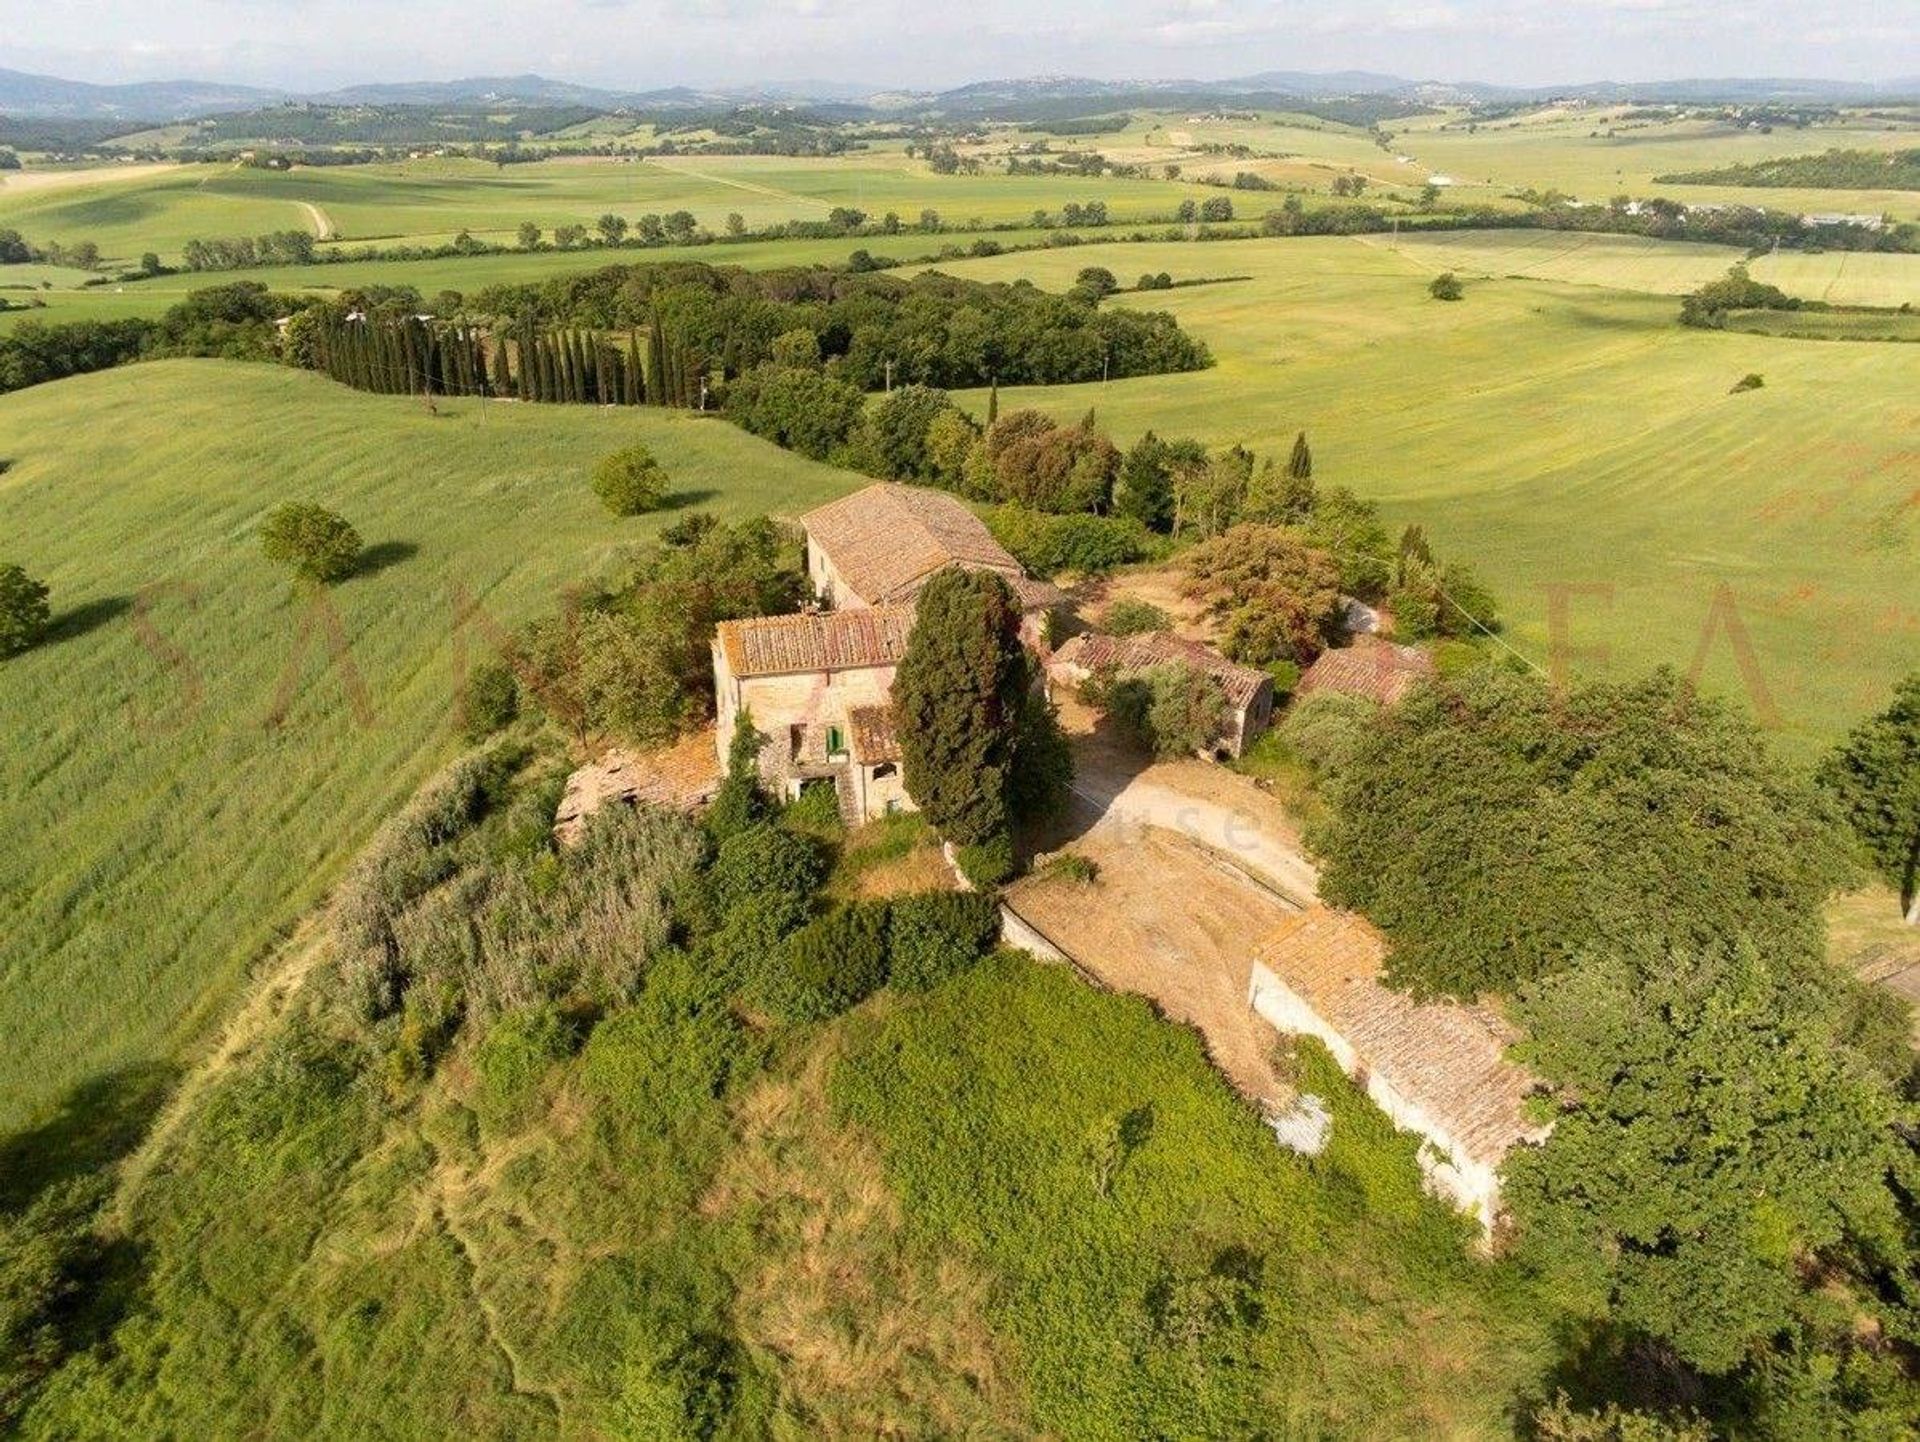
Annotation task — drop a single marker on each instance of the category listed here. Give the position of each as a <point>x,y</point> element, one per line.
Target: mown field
<point>1568,436</point>
<point>1660,267</point>
<point>1559,149</point>
<point>162,830</point>
<point>429,201</point>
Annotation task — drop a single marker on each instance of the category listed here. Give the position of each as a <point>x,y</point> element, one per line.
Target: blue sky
<point>306,44</point>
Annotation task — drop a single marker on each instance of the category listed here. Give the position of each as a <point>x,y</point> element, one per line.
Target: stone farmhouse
<point>1435,1068</point>
<point>1249,693</point>
<point>818,685</point>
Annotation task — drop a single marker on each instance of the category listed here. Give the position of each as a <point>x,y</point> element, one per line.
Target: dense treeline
<point>1835,170</point>
<point>279,247</point>
<point>232,322</point>
<point>870,329</point>
<point>1727,1195</point>
<point>414,354</point>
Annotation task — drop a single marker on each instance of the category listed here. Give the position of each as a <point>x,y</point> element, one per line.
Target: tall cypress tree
<point>1300,463</point>
<point>957,699</point>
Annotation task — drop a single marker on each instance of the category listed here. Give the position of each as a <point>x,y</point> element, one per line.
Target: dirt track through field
<point>746,185</point>
<point>322,223</point>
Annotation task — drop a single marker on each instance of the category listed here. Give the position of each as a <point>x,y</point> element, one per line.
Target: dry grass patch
<point>875,1338</point>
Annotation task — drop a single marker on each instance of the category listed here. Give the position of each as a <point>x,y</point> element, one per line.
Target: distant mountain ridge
<point>44,96</point>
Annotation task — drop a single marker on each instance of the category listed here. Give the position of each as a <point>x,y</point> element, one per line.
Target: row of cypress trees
<point>406,355</point>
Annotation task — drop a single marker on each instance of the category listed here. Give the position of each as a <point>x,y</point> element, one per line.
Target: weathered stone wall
<point>1471,1183</point>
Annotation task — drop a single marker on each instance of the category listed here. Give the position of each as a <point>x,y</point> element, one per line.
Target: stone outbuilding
<point>1371,669</point>
<point>1435,1068</point>
<point>1249,693</point>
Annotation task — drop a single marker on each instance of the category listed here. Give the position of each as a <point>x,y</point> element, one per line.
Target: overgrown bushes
<point>1088,545</point>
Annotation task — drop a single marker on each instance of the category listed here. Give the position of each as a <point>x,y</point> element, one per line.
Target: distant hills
<point>48,97</point>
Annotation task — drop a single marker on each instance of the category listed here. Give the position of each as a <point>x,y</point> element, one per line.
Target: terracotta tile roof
<point>1444,1058</point>
<point>874,739</point>
<point>1093,651</point>
<point>1374,670</point>
<point>684,776</point>
<point>886,540</point>
<point>822,641</point>
<point>1036,595</point>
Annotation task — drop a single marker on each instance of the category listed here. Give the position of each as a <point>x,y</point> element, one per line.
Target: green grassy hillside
<point>1563,435</point>
<point>161,832</point>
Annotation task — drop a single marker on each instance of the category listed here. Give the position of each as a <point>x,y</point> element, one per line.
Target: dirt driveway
<point>1221,810</point>
<point>1168,920</point>
<point>1196,864</point>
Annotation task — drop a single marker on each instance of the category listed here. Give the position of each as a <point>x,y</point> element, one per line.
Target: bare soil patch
<point>1166,919</point>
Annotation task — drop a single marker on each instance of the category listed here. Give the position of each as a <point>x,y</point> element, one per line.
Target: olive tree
<point>23,610</point>
<point>318,544</point>
<point>630,481</point>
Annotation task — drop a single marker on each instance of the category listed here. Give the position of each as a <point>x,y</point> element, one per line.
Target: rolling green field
<point>1562,435</point>
<point>1660,267</point>
<point>429,201</point>
<point>1558,149</point>
<point>161,833</point>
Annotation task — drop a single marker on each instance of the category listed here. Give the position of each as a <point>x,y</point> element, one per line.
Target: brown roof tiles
<point>1373,670</point>
<point>1447,1059</point>
<point>822,641</point>
<point>1094,652</point>
<point>874,738</point>
<point>886,540</point>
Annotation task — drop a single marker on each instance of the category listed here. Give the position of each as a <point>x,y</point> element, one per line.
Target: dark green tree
<point>957,698</point>
<point>1714,1136</point>
<point>740,802</point>
<point>1875,774</point>
<point>1497,831</point>
<point>317,544</point>
<point>23,610</point>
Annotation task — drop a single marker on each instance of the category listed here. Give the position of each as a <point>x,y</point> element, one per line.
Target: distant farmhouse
<point>819,685</point>
<point>1248,693</point>
<point>1436,1068</point>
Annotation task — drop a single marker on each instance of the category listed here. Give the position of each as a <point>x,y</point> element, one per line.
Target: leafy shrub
<point>1446,286</point>
<point>987,863</point>
<point>23,610</point>
<point>1325,730</point>
<point>1047,544</point>
<point>937,935</point>
<point>1130,616</point>
<point>513,1058</point>
<point>316,543</point>
<point>1072,867</point>
<point>764,862</point>
<point>829,965</point>
<point>1751,381</point>
<point>630,481</point>
<point>491,701</point>
<point>815,810</point>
